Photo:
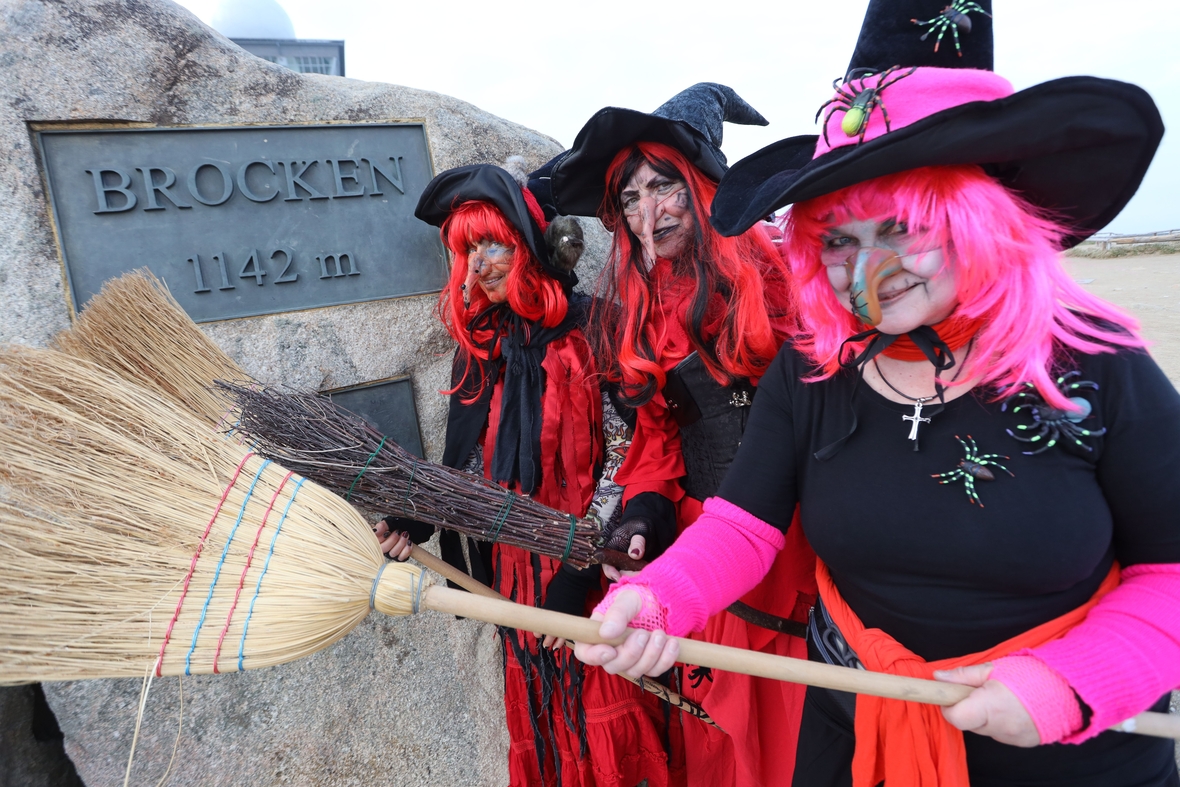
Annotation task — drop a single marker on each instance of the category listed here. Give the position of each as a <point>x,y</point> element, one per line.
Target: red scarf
<point>955,331</point>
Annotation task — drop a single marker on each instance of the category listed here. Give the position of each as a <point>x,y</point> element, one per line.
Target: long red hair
<point>533,295</point>
<point>737,291</point>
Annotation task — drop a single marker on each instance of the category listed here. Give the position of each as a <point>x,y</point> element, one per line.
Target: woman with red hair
<point>982,453</point>
<point>691,322</point>
<point>527,410</point>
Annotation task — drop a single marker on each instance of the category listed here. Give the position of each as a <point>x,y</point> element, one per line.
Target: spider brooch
<point>857,101</point>
<point>1051,422</point>
<point>954,17</point>
<point>972,468</point>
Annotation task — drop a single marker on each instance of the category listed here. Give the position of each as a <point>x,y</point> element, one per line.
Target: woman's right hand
<point>641,653</point>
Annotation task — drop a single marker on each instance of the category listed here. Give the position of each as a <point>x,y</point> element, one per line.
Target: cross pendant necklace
<point>917,418</point>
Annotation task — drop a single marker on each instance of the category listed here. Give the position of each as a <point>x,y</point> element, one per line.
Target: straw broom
<point>135,328</point>
<point>105,530</point>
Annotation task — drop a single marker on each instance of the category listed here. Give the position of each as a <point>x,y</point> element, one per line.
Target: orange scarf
<point>908,743</point>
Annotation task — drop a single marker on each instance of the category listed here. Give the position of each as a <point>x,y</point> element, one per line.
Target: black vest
<point>712,418</point>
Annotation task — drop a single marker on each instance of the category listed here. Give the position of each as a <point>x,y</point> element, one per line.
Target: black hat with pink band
<point>920,91</point>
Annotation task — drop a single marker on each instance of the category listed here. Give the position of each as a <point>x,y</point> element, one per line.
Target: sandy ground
<point>1148,287</point>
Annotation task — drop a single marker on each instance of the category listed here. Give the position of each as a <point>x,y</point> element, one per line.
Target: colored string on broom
<point>221,562</point>
<point>369,461</point>
<point>265,566</point>
<point>249,561</point>
<point>193,565</point>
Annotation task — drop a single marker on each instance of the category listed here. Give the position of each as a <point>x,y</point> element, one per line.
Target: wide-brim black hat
<point>1077,147</point>
<point>489,183</point>
<point>690,122</point>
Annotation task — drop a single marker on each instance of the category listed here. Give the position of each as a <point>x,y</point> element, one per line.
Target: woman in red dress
<point>698,319</point>
<point>528,412</point>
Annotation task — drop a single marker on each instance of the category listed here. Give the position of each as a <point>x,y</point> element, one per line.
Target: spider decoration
<point>1052,422</point>
<point>954,17</point>
<point>857,101</point>
<point>972,468</point>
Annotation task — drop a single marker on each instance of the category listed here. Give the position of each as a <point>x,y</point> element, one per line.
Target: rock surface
<point>398,702</point>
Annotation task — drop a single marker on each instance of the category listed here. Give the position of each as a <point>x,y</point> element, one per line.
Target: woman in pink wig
<point>984,455</point>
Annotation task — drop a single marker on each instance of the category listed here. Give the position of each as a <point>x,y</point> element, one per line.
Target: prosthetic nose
<point>475,263</point>
<point>867,269</point>
<point>647,212</point>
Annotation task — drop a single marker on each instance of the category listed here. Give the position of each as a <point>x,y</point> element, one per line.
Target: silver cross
<point>917,418</point>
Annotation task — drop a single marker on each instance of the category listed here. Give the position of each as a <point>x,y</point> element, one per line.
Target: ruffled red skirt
<point>570,725</point>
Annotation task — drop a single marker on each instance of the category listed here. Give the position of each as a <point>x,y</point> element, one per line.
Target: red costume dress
<point>760,717</point>
<point>568,724</point>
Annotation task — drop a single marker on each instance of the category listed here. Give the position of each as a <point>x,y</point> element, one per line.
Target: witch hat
<point>489,183</point>
<point>691,121</point>
<point>920,91</point>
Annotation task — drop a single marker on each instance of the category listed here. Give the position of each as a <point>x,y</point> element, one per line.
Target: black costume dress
<point>945,576</point>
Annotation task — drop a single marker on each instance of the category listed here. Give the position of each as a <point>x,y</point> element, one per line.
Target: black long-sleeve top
<point>917,558</point>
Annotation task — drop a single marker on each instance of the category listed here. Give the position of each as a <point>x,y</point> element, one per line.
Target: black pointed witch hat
<point>1077,146</point>
<point>489,183</point>
<point>690,121</point>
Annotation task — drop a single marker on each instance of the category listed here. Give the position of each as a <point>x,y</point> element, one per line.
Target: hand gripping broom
<point>133,538</point>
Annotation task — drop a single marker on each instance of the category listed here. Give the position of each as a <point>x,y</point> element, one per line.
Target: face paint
<point>659,213</point>
<point>869,267</point>
<point>488,263</point>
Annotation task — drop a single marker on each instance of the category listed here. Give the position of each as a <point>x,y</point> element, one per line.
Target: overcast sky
<point>550,65</point>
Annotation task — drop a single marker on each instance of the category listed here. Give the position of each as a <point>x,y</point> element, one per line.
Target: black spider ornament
<point>953,17</point>
<point>857,100</point>
<point>972,467</point>
<point>1051,422</point>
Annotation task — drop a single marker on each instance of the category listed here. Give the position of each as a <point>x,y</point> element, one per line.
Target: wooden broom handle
<point>470,583</point>
<point>763,665</point>
<point>460,578</point>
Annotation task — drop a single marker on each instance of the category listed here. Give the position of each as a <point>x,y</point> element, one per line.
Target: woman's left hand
<point>396,545</point>
<point>990,710</point>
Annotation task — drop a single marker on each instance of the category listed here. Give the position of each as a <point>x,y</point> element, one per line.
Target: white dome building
<point>263,28</point>
<point>253,19</point>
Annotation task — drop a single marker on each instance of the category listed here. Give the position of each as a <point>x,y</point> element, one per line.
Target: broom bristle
<point>135,328</point>
<point>126,523</point>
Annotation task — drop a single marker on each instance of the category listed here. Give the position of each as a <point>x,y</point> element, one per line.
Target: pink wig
<point>1009,274</point>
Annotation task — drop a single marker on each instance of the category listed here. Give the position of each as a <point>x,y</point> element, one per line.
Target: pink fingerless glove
<point>1044,694</point>
<point>653,616</point>
<point>1122,658</point>
<point>714,562</point>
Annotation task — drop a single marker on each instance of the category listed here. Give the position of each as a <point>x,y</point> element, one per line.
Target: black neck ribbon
<point>924,338</point>
<point>517,454</point>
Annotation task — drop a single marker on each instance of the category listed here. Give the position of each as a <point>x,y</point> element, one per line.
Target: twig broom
<point>110,562</point>
<point>135,328</point>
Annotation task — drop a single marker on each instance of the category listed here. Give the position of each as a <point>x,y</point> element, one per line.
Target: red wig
<point>533,295</point>
<point>733,294</point>
<point>1008,270</point>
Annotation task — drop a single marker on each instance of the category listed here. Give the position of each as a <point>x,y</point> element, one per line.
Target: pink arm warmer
<point>1122,658</point>
<point>716,560</point>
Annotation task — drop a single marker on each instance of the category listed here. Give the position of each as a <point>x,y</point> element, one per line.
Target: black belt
<point>826,642</point>
<point>767,621</point>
